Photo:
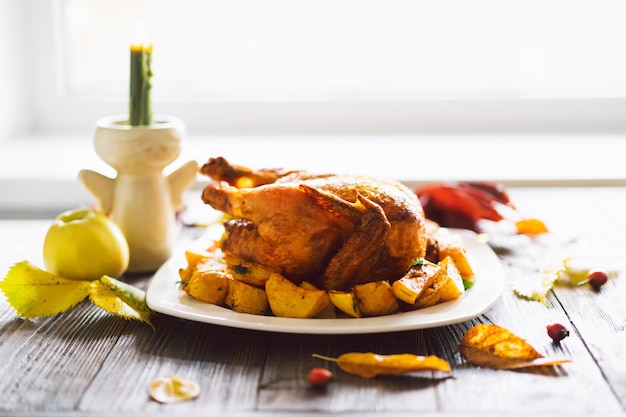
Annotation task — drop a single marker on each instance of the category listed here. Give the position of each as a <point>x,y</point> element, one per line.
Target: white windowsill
<point>39,174</point>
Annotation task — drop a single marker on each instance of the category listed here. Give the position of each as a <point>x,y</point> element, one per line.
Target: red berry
<point>319,376</point>
<point>597,278</point>
<point>557,332</point>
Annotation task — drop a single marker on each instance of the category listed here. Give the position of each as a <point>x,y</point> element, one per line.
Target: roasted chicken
<point>333,231</point>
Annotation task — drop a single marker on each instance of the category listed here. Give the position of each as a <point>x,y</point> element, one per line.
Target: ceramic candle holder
<point>141,199</point>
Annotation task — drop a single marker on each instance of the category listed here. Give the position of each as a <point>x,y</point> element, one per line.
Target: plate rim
<point>164,296</point>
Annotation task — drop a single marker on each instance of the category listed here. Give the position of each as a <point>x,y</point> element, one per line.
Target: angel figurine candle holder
<point>141,199</point>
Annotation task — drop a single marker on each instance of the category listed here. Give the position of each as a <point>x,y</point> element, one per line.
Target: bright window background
<point>350,49</point>
<point>529,90</point>
<point>297,67</point>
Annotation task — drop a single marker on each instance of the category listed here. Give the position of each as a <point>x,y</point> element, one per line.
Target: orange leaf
<point>530,227</point>
<point>369,365</point>
<point>492,346</point>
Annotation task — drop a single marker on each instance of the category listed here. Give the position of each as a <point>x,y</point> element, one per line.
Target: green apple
<point>85,244</point>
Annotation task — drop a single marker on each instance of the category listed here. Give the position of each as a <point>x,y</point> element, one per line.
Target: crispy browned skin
<point>219,169</point>
<point>332,230</point>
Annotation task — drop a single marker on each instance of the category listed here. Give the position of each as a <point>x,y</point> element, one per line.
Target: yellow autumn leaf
<point>120,299</point>
<point>33,292</point>
<point>492,346</point>
<point>369,365</point>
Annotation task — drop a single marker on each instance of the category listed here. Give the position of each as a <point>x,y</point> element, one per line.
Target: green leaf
<point>120,299</point>
<point>33,292</point>
<point>418,262</point>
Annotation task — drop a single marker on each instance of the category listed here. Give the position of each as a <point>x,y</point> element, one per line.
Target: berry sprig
<point>317,377</point>
<point>596,278</point>
<point>557,332</point>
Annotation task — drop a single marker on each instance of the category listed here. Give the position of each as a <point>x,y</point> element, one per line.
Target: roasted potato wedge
<point>193,258</point>
<point>448,283</point>
<point>429,297</point>
<point>327,313</point>
<point>287,299</point>
<point>330,312</point>
<point>223,279</point>
<point>200,261</point>
<point>452,246</point>
<point>346,302</point>
<point>208,286</point>
<point>245,298</point>
<point>376,298</point>
<point>413,284</point>
<point>248,272</point>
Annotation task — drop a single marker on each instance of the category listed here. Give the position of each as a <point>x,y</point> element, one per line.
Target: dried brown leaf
<point>492,346</point>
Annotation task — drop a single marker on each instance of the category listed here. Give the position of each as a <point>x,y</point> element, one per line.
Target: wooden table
<point>86,362</point>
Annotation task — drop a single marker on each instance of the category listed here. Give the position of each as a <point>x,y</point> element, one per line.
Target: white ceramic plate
<point>165,296</point>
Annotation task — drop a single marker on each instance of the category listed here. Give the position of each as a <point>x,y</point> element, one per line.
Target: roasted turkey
<point>334,231</point>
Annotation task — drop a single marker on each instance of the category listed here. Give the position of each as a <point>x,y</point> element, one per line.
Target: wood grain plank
<point>346,392</point>
<point>599,319</point>
<point>225,362</point>
<point>85,362</point>
<point>594,223</point>
<point>538,390</point>
<point>46,365</point>
<point>483,390</point>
